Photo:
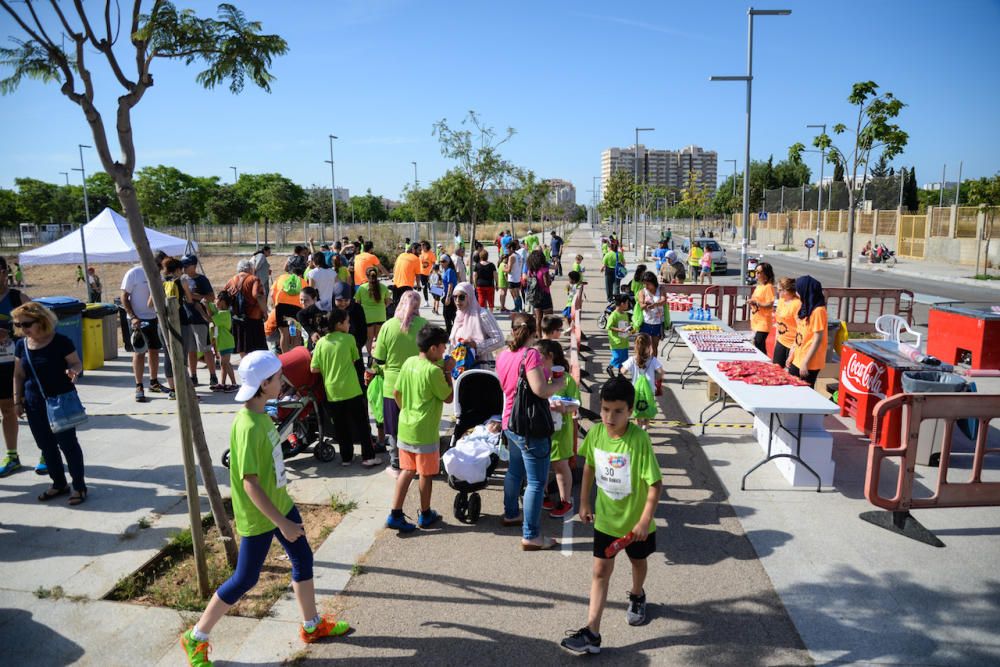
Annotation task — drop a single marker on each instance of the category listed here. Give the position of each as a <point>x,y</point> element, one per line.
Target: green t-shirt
<point>624,469</point>
<point>344,274</point>
<point>615,321</point>
<point>255,449</point>
<point>394,347</point>
<point>577,267</point>
<point>423,389</point>
<point>531,242</point>
<point>374,310</point>
<point>612,258</point>
<point>636,288</point>
<point>562,440</point>
<point>334,359</point>
<point>223,321</point>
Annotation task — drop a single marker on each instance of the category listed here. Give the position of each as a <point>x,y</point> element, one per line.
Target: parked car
<point>720,265</point>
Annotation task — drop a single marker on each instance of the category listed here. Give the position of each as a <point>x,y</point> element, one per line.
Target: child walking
<point>619,457</point>
<point>618,327</point>
<point>436,287</point>
<point>225,343</point>
<point>562,438</point>
<point>263,510</point>
<point>422,389</point>
<point>334,358</point>
<point>646,373</point>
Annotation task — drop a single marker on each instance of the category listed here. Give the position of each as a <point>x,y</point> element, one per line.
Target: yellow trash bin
<point>93,339</point>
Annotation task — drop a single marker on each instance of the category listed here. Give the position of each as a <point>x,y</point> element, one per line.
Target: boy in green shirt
<point>333,358</point>
<point>225,342</point>
<point>422,389</point>
<point>263,510</point>
<point>619,325</point>
<point>619,456</point>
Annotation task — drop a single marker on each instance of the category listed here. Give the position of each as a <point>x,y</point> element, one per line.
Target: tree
<point>477,151</point>
<point>881,168</point>
<point>873,129</point>
<point>37,201</point>
<point>232,50</point>
<point>226,206</point>
<point>273,197</point>
<point>838,173</point>
<point>619,193</point>
<point>168,196</point>
<point>369,207</point>
<point>694,198</point>
<point>8,208</point>
<point>911,198</point>
<point>985,192</point>
<point>453,198</point>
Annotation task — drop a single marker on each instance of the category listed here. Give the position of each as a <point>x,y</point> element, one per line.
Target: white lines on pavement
<point>929,298</point>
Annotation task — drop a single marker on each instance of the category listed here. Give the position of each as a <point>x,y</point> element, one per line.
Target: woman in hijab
<point>396,342</point>
<point>474,325</point>
<point>808,355</point>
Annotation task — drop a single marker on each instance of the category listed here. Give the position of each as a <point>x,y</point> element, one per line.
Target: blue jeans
<point>528,457</point>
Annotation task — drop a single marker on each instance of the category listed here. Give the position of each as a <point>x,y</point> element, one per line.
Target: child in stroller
<point>468,462</point>
<point>298,413</point>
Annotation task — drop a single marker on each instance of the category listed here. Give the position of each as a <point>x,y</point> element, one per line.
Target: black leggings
<point>780,354</point>
<point>450,311</point>
<point>760,341</point>
<point>350,425</point>
<point>810,376</point>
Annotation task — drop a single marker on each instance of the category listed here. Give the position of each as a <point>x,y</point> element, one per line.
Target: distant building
<point>948,185</point>
<point>560,192</point>
<point>342,194</point>
<point>664,168</point>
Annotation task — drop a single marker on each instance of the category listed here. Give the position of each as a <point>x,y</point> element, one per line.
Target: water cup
<point>558,372</point>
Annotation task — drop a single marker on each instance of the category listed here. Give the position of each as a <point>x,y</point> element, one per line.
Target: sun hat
<point>254,369</point>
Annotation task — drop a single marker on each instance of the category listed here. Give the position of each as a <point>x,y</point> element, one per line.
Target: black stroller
<point>478,396</point>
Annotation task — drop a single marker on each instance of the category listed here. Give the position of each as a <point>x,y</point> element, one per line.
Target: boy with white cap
<point>263,510</point>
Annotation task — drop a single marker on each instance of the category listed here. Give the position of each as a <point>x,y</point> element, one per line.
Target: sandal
<point>547,543</point>
<point>53,492</point>
<point>155,385</point>
<point>77,498</point>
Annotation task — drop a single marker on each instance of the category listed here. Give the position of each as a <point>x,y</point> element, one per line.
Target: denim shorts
<point>652,329</point>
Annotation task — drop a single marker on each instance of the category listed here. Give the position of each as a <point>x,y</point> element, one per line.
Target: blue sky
<point>572,77</point>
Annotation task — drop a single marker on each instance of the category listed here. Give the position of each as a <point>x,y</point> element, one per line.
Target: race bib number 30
<point>279,459</point>
<point>611,469</point>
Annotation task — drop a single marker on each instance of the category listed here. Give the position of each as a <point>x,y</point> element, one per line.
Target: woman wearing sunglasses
<point>475,326</point>
<point>46,364</point>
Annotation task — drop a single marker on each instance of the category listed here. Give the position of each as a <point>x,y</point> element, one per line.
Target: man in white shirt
<point>323,279</point>
<point>515,267</point>
<point>459,256</point>
<point>142,317</point>
<point>262,269</point>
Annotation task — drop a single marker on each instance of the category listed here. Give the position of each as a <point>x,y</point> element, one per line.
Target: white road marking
<point>566,545</point>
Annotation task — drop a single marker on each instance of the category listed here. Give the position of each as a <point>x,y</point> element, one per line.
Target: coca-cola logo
<point>862,377</point>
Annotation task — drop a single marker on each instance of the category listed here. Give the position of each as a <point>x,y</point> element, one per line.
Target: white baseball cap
<point>254,369</point>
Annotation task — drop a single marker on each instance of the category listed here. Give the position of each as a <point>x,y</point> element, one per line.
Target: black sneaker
<point>582,641</point>
<point>194,380</point>
<point>636,612</point>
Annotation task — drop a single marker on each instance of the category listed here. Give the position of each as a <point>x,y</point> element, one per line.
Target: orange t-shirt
<point>427,260</point>
<point>271,323</point>
<point>787,316</point>
<point>279,295</point>
<point>807,330</point>
<point>405,270</point>
<point>361,264</point>
<point>762,315</point>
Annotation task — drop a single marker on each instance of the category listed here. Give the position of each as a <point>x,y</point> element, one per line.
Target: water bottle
<point>292,330</point>
<point>271,408</point>
<point>690,314</point>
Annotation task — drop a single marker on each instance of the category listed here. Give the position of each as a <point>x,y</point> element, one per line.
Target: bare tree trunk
<point>210,482</point>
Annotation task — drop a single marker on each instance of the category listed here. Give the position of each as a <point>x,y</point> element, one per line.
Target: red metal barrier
<point>865,305</point>
<point>916,408</point>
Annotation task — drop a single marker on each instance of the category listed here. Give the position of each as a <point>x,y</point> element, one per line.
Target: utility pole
<point>86,211</point>
<point>941,190</point>
<point>958,185</point>
<point>819,204</point>
<point>333,194</point>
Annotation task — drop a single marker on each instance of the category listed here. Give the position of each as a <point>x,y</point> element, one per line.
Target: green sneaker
<point>41,468</point>
<point>328,627</point>
<point>197,652</point>
<point>11,463</point>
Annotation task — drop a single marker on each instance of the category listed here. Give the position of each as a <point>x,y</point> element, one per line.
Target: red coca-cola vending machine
<point>870,370</point>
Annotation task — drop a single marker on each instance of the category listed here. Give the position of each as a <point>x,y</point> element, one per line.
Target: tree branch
<point>38,23</point>
<point>57,54</point>
<point>86,24</point>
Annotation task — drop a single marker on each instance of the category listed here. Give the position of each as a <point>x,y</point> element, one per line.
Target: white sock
<point>199,635</point>
<point>311,624</point>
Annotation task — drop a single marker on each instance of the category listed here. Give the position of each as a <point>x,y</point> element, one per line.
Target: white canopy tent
<point>107,238</point>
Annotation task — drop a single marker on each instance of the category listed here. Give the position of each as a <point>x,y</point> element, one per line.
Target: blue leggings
<point>253,551</point>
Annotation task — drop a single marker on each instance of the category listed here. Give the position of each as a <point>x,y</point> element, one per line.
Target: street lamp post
<point>734,175</point>
<point>819,204</point>
<point>635,219</point>
<point>86,211</point>
<point>333,195</point>
<point>236,175</point>
<point>66,174</point>
<point>748,79</point>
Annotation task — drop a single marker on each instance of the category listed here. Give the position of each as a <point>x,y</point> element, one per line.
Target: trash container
<point>93,340</point>
<point>68,310</point>
<point>931,430</point>
<point>107,313</point>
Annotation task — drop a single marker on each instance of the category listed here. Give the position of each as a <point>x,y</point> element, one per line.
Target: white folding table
<point>694,364</point>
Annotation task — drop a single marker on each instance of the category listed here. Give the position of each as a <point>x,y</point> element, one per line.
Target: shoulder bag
<point>530,415</point>
<point>64,411</point>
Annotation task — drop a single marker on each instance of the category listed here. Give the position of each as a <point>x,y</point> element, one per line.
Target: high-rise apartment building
<point>560,192</point>
<point>663,167</point>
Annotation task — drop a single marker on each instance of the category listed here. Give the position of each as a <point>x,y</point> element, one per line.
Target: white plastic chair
<point>891,326</point>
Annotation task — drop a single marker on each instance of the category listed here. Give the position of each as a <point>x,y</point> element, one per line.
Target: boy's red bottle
<point>619,545</point>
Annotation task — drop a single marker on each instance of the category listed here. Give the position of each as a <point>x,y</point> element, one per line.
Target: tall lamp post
<point>333,195</point>
<point>748,78</point>
<point>635,218</point>
<point>236,174</point>
<point>734,175</point>
<point>66,174</point>
<point>597,198</point>
<point>86,211</point>
<point>819,204</point>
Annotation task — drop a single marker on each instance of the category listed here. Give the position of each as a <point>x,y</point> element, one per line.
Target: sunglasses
<point>460,297</point>
<point>25,325</point>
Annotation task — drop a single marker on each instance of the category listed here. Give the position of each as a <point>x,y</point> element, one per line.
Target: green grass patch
<point>342,505</point>
<point>986,276</point>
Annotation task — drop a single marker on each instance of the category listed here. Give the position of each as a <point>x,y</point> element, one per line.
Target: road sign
<point>762,215</point>
<point>810,242</point>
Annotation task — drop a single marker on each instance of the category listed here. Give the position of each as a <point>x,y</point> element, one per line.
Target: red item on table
<point>619,545</point>
<point>760,373</point>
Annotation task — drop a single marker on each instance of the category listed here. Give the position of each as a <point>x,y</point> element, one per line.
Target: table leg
<point>771,457</point>
<point>724,399</point>
<point>697,369</point>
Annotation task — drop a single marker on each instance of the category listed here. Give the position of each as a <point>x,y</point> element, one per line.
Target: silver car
<point>719,262</point>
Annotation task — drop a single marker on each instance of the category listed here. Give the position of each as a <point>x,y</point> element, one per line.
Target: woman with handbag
<point>528,428</point>
<point>46,366</point>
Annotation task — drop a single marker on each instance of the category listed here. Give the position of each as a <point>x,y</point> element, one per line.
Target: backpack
<point>645,401</point>
<point>620,271</point>
<point>237,301</point>
<point>533,292</point>
<point>293,285</point>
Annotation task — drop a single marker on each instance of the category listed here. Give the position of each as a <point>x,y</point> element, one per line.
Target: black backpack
<point>533,292</point>
<point>237,301</point>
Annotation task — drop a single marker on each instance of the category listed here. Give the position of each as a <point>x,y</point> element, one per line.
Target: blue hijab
<point>810,291</point>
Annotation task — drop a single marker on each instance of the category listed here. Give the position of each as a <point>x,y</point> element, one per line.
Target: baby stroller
<point>602,321</point>
<point>298,413</point>
<point>478,396</point>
